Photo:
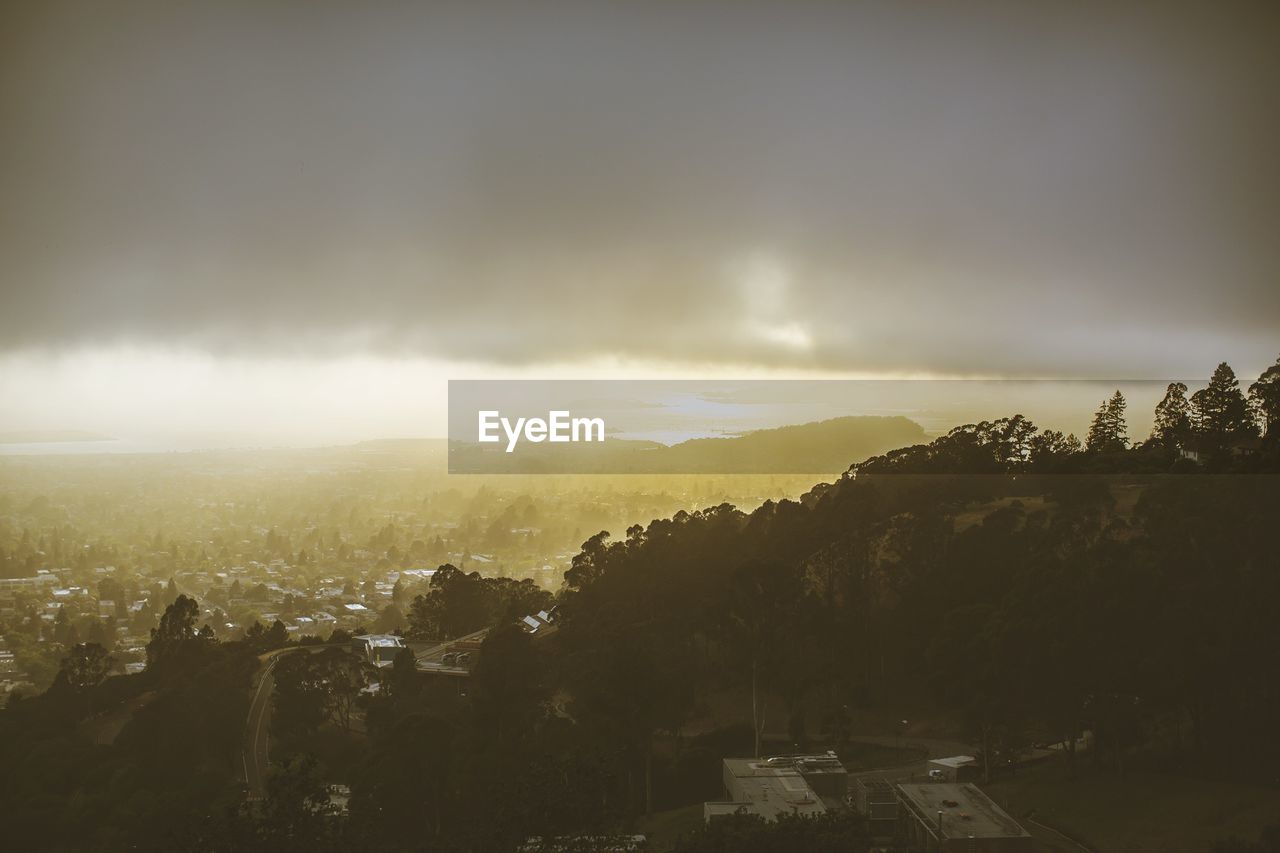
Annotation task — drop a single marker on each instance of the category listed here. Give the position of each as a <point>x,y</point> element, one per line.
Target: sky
<point>293,222</point>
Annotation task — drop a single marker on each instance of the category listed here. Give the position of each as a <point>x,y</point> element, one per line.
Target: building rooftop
<point>619,843</point>
<point>966,811</point>
<point>955,760</point>
<point>381,649</point>
<point>381,640</point>
<point>771,790</point>
<point>710,810</point>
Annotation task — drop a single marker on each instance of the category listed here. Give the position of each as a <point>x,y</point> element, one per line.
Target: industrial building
<point>768,787</point>
<point>957,768</point>
<point>931,817</point>
<point>944,816</point>
<point>878,801</point>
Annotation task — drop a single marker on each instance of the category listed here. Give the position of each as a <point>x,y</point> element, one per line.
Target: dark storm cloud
<point>1013,188</point>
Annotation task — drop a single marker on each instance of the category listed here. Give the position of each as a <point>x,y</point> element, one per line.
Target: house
<point>540,623</point>
<point>40,579</point>
<point>1248,446</point>
<point>379,649</point>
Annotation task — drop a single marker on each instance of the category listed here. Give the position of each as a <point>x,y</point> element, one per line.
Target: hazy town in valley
<point>717,427</point>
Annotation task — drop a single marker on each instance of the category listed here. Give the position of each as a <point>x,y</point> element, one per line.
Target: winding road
<point>254,752</point>
<point>257,732</point>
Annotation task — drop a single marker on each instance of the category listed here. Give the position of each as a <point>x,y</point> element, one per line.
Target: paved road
<point>916,770</point>
<point>437,651</point>
<point>257,732</point>
<point>431,659</point>
<point>253,754</point>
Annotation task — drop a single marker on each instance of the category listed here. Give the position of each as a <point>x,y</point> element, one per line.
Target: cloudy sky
<point>293,221</point>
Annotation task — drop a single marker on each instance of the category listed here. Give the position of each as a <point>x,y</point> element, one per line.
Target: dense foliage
<point>1009,579</point>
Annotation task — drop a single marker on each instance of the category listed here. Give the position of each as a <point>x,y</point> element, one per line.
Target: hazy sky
<point>282,205</point>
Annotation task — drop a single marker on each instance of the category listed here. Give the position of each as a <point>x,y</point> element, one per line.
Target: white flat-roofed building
<point>379,649</point>
<point>33,582</point>
<point>943,816</point>
<point>956,768</point>
<point>755,786</point>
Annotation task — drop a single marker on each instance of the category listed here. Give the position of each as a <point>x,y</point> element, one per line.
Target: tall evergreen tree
<point>62,628</point>
<point>1220,413</point>
<point>1173,417</point>
<point>1264,395</point>
<point>1109,432</point>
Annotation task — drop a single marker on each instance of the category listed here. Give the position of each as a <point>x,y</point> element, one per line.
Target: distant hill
<point>50,436</point>
<point>401,445</point>
<point>822,447</point>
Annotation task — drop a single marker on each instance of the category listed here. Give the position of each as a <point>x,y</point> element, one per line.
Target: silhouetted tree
<point>390,619</point>
<point>176,637</point>
<point>277,635</point>
<point>311,689</point>
<point>1264,395</point>
<point>344,677</point>
<point>85,668</point>
<point>299,698</point>
<point>1051,449</point>
<point>507,682</point>
<point>762,598</point>
<point>401,679</point>
<point>1172,424</point>
<point>296,814</point>
<point>1220,413</point>
<point>1108,432</point>
<point>407,787</point>
<point>455,605</point>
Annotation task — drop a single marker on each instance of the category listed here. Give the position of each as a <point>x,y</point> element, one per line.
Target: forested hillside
<point>1016,585</point>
